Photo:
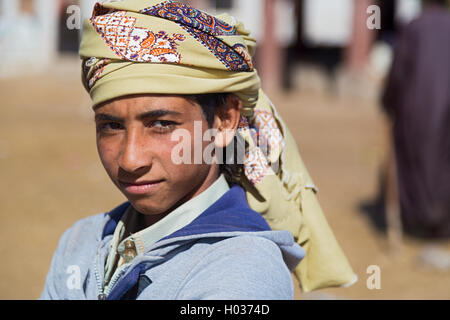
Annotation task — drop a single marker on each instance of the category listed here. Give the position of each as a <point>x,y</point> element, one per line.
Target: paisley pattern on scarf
<point>266,138</point>
<point>188,16</point>
<point>205,28</point>
<point>93,69</point>
<point>136,44</point>
<point>232,60</point>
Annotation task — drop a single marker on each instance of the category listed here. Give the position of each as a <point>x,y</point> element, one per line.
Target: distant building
<point>28,32</point>
<point>35,32</point>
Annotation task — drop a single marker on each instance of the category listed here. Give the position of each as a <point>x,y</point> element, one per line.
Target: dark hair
<point>210,103</point>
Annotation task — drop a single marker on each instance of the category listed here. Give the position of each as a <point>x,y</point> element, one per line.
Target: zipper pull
<point>102,296</point>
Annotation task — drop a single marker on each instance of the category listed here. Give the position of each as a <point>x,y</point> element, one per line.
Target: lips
<point>140,187</point>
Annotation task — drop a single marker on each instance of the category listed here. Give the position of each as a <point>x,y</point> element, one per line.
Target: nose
<point>134,156</point>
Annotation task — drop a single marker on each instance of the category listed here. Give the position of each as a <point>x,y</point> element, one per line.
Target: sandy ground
<point>51,177</point>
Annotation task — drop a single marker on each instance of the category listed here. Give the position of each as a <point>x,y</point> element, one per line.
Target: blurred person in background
<point>417,101</point>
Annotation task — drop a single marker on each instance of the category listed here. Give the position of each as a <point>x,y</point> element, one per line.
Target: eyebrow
<point>158,113</point>
<point>150,114</point>
<point>106,117</point>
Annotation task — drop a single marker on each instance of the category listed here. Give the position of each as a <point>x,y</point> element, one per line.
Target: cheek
<point>164,153</point>
<point>181,167</point>
<point>107,153</point>
<point>167,154</point>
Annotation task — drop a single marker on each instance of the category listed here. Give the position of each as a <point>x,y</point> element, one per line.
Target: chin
<point>148,207</point>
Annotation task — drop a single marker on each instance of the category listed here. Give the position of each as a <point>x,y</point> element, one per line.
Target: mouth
<point>140,187</point>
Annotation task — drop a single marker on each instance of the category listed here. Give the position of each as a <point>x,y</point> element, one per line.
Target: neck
<point>213,175</point>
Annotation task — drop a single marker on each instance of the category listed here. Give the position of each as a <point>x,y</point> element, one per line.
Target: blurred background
<point>325,65</point>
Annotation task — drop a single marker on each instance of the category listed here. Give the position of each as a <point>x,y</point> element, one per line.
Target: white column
<point>327,22</point>
<point>9,8</point>
<point>87,7</point>
<point>47,12</point>
<point>9,42</point>
<point>254,21</point>
<point>8,12</point>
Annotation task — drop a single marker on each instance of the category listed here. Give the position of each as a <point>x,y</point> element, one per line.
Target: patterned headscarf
<point>149,46</point>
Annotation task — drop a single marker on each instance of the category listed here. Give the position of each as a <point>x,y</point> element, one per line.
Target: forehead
<point>131,106</point>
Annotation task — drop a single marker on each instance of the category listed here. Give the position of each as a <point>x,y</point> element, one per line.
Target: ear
<point>226,120</point>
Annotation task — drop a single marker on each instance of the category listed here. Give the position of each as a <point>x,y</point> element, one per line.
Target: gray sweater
<point>228,252</point>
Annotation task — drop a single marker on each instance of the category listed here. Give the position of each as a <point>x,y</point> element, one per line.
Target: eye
<point>163,125</point>
<point>109,126</point>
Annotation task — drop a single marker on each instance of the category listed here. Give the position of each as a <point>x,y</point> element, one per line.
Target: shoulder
<point>248,245</point>
<point>92,228</point>
<point>79,240</point>
<point>76,248</point>
<point>86,229</point>
<point>241,267</point>
<point>250,254</point>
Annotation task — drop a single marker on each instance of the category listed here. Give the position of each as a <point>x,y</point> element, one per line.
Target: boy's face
<point>135,146</point>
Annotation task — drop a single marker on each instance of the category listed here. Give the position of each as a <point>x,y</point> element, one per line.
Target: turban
<point>148,46</point>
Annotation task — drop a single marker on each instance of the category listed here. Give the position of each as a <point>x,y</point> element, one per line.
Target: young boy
<point>172,88</point>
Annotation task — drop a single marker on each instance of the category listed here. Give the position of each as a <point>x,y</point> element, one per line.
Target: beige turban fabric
<point>148,46</point>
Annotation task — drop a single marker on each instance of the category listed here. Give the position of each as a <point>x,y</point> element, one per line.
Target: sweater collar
<point>229,213</point>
